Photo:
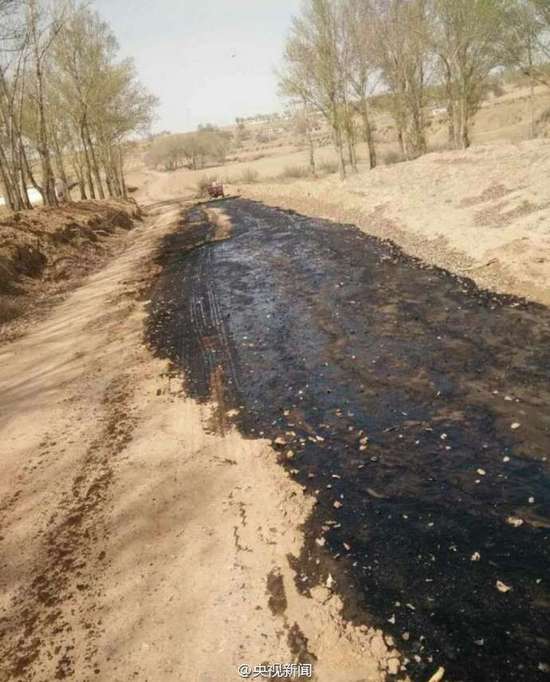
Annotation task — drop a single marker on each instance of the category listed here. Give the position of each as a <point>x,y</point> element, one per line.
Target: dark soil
<point>392,388</point>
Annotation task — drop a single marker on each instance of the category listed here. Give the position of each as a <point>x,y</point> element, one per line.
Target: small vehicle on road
<point>215,189</point>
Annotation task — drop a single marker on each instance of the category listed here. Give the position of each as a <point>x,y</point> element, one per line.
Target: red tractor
<point>215,190</point>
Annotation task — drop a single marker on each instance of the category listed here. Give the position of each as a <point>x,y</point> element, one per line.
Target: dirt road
<point>258,438</point>
<point>141,536</point>
<point>410,405</point>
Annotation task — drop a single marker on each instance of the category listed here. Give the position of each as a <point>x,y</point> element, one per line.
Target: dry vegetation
<point>501,119</point>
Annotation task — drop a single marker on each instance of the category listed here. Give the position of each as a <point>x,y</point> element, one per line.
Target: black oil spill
<point>396,386</point>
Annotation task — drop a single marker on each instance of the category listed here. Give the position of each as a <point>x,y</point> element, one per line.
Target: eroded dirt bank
<point>141,536</point>
<point>411,405</point>
<point>47,251</point>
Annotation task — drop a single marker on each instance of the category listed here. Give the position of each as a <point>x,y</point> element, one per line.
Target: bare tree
<point>358,39</point>
<point>13,53</point>
<point>66,102</point>
<point>42,30</point>
<point>403,56</point>
<point>313,68</point>
<point>465,37</point>
<point>303,120</point>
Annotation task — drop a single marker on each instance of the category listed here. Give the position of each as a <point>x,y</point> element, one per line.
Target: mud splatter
<point>38,625</point>
<point>276,590</point>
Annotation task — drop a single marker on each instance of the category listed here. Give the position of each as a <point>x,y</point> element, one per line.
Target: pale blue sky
<point>207,60</point>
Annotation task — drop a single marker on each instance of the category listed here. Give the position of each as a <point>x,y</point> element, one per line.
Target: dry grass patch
<point>294,172</point>
<point>327,166</point>
<point>493,193</point>
<point>494,216</point>
<point>249,176</point>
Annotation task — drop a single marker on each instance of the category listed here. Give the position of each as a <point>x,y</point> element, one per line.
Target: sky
<point>207,61</point>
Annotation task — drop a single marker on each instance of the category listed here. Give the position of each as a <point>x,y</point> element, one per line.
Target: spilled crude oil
<point>393,388</point>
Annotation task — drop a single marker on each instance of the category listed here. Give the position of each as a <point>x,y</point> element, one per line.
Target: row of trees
<point>68,104</point>
<point>341,52</point>
<point>194,150</point>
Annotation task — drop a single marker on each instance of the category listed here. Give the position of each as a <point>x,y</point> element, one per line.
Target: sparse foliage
<point>339,52</point>
<point>465,38</point>
<point>312,69</point>
<point>68,105</point>
<point>194,150</point>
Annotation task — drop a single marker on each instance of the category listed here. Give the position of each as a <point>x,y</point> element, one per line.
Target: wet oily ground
<point>413,406</point>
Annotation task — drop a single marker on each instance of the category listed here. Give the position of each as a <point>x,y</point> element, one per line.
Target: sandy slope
<point>483,212</point>
<point>135,545</point>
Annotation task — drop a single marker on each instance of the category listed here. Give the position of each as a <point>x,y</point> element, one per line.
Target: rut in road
<point>397,389</point>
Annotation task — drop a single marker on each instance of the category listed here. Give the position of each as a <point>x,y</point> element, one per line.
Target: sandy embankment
<point>484,213</point>
<point>46,252</point>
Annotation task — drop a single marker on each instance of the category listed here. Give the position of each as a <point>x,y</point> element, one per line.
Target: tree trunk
<point>531,93</point>
<point>115,177</point>
<point>59,159</point>
<point>309,136</point>
<point>48,182</point>
<point>95,166</point>
<point>109,183</point>
<point>352,155</point>
<point>29,173</point>
<point>77,166</point>
<point>311,148</point>
<point>23,175</point>
<point>338,143</point>
<point>6,182</point>
<point>464,125</point>
<point>10,167</point>
<point>419,135</point>
<point>451,122</point>
<point>401,140</point>
<point>451,107</point>
<point>87,164</point>
<point>532,131</point>
<point>466,142</point>
<point>121,171</point>
<point>367,132</point>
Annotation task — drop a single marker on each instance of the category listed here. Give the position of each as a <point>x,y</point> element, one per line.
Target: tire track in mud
<point>203,329</point>
<point>41,631</point>
<point>390,388</point>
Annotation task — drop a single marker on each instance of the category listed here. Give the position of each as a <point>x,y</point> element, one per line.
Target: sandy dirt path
<point>135,543</point>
